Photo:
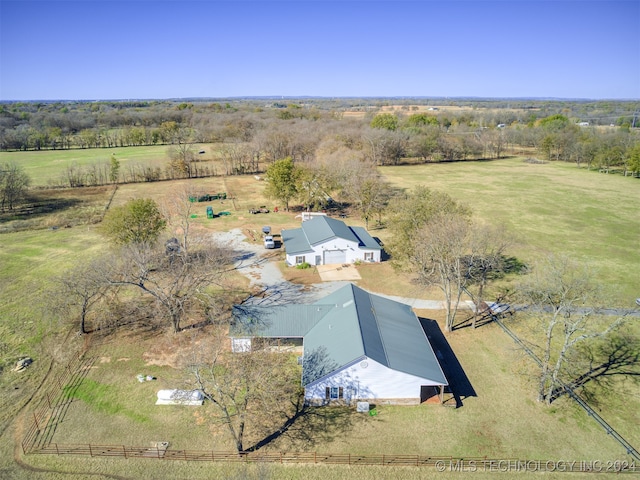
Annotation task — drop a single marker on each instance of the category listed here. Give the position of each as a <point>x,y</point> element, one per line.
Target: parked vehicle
<point>269,242</point>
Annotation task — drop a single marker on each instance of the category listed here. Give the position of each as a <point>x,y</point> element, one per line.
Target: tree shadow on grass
<point>459,384</point>
<point>308,426</point>
<point>599,364</point>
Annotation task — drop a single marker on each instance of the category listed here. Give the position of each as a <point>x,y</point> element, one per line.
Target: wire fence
<point>577,398</point>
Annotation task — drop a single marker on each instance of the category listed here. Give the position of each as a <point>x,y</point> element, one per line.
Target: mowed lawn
<point>553,207</point>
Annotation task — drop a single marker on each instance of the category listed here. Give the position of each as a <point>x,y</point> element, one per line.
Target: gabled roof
<point>295,241</point>
<point>321,229</point>
<point>364,324</point>
<point>343,327</point>
<point>280,321</point>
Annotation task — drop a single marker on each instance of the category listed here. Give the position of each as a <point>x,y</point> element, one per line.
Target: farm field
<point>560,208</point>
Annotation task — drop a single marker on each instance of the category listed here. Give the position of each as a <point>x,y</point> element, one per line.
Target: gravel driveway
<point>252,260</point>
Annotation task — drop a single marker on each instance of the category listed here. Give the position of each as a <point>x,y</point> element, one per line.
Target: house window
<point>334,393</point>
<point>299,259</point>
<point>368,256</point>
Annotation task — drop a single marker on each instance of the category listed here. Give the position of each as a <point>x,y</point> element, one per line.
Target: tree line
<point>260,132</point>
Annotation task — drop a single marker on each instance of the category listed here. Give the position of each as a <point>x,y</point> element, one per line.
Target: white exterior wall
<point>375,381</point>
<point>352,250</point>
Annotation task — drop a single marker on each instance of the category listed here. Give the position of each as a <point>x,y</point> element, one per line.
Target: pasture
<point>550,207</point>
<point>48,167</point>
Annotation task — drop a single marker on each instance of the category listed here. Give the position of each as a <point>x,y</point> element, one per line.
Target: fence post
<point>124,450</point>
<point>57,451</point>
<point>90,452</point>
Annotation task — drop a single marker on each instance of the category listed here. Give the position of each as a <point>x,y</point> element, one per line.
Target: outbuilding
<point>324,240</point>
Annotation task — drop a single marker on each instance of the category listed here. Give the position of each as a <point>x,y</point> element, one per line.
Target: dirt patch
<point>172,350</point>
<point>338,273</point>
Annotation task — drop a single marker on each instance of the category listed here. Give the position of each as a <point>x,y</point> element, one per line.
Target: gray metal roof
<point>366,240</point>
<point>320,229</point>
<point>281,321</point>
<point>384,330</point>
<point>295,241</point>
<point>343,327</point>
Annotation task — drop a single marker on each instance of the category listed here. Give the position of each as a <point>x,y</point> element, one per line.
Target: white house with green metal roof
<point>324,241</point>
<point>356,346</point>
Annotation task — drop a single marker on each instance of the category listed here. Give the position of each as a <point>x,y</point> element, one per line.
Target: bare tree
<point>253,394</point>
<point>440,257</point>
<point>80,289</point>
<point>14,183</point>
<point>486,260</point>
<point>179,281</point>
<point>565,298</point>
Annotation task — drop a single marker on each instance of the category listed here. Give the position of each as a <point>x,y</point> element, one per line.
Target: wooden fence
<point>54,404</point>
<point>252,457</point>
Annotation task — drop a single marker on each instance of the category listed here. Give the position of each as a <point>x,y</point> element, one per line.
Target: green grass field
<point>551,207</point>
<point>591,217</point>
<point>45,167</point>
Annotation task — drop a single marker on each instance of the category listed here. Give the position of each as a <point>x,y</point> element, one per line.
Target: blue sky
<point>51,50</point>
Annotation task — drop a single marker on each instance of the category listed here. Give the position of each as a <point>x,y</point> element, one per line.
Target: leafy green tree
<point>281,178</point>
<point>421,120</point>
<point>633,159</point>
<point>386,121</point>
<point>114,169</point>
<point>139,221</point>
<point>554,123</point>
<point>409,214</point>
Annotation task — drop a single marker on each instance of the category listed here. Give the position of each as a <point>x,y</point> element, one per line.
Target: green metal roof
<point>283,321</point>
<point>384,330</point>
<point>343,327</point>
<point>295,241</point>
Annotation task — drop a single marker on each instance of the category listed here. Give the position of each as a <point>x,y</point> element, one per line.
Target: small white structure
<point>180,397</point>
<point>309,215</point>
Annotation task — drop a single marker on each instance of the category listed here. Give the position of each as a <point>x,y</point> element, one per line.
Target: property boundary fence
<point>51,410</point>
<point>577,398</point>
<point>54,404</point>
<point>255,457</point>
